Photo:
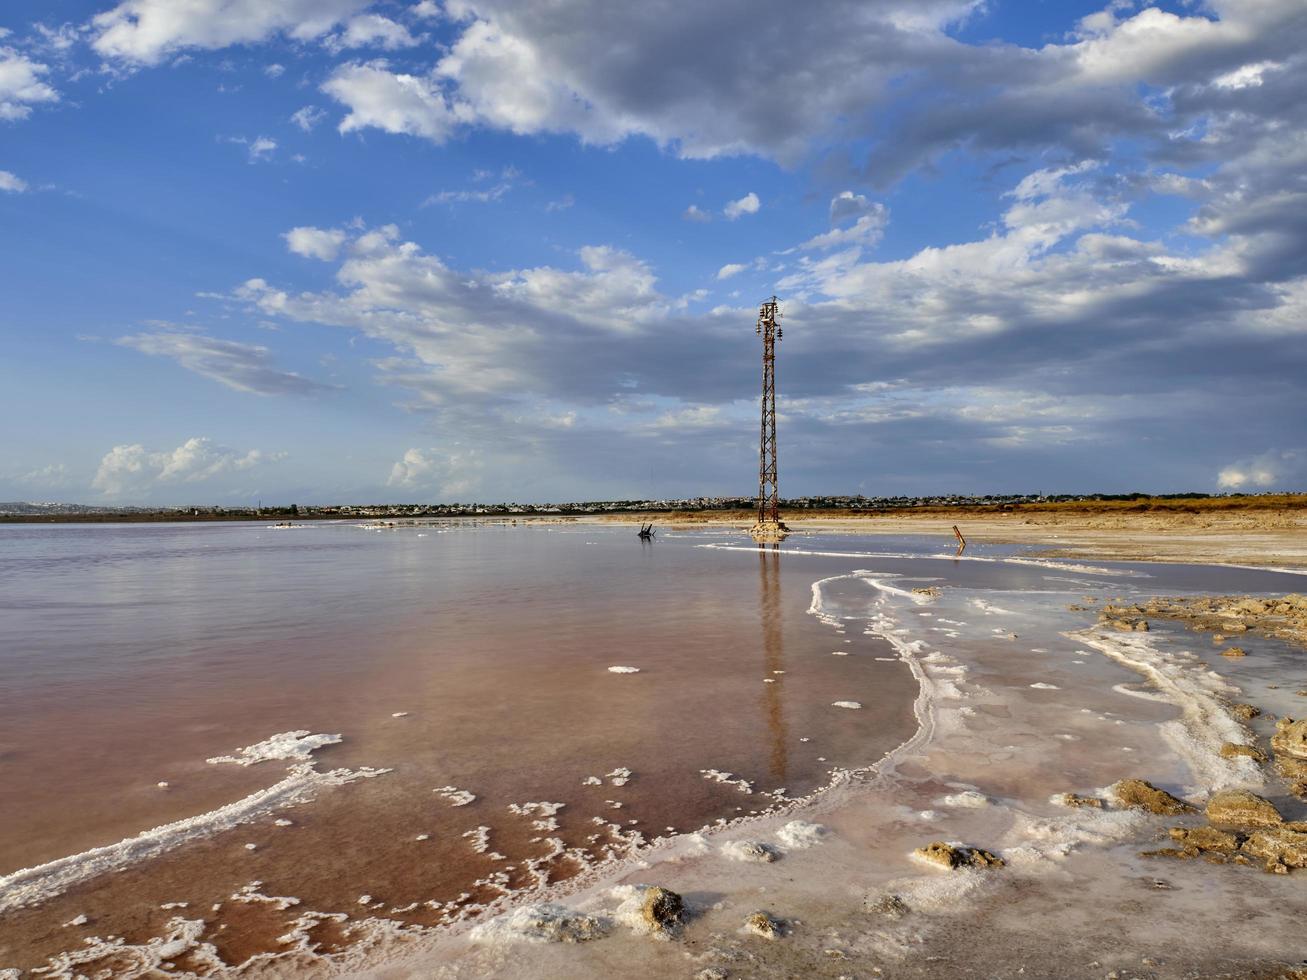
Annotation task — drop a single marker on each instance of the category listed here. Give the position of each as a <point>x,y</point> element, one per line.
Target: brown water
<point>131,654</point>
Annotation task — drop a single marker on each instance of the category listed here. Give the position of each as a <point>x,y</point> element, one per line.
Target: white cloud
<point>134,469</point>
<point>696,213</point>
<point>749,204</point>
<point>21,86</point>
<point>147,31</point>
<point>731,269</point>
<point>445,473</point>
<point>307,117</point>
<point>372,30</point>
<point>261,149</point>
<point>396,103</point>
<point>869,220</point>
<point>426,10</point>
<point>241,367</point>
<point>1273,468</point>
<point>315,243</point>
<point>274,70</point>
<point>52,476</point>
<point>12,183</point>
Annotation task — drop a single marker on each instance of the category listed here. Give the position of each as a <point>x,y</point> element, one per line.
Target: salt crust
<point>455,796</point>
<point>623,670</point>
<point>543,923</point>
<point>846,704</point>
<point>30,886</point>
<point>798,834</point>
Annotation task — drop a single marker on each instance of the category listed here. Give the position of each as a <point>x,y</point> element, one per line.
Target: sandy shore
<point>1274,537</point>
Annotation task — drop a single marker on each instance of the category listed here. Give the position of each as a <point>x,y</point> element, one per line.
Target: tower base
<point>769,531</point>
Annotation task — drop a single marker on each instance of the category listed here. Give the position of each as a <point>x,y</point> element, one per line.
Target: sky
<point>338,250</point>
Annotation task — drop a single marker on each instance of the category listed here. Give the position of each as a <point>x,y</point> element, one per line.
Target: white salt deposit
<point>748,850</point>
<point>544,923</point>
<point>1041,686</point>
<point>283,822</point>
<point>846,704</point>
<point>619,776</point>
<point>161,785</point>
<point>399,714</point>
<point>79,920</point>
<point>592,781</point>
<point>623,670</point>
<point>839,653</point>
<point>422,837</point>
<point>298,745</point>
<point>455,796</point>
<point>798,834</point>
<point>967,798</point>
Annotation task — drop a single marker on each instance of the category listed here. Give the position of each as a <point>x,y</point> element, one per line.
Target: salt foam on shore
<point>30,886</point>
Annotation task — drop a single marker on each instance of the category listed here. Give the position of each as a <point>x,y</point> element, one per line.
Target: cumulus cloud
<point>448,474</point>
<point>315,243</point>
<point>696,213</point>
<point>731,269</point>
<point>869,219</point>
<point>393,102</point>
<point>749,204</point>
<point>12,182</point>
<point>131,468</point>
<point>147,31</point>
<point>241,367</point>
<point>22,85</point>
<point>372,31</point>
<point>1274,468</point>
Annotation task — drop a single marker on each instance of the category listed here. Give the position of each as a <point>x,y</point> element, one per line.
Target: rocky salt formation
<point>955,856</point>
<point>1283,616</point>
<point>1142,795</point>
<point>1233,750</point>
<point>1078,801</point>
<point>1243,828</point>
<point>1128,619</point>
<point>1239,808</point>
<point>890,906</point>
<point>762,924</point>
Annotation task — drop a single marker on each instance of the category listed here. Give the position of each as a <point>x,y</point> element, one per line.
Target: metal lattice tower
<point>769,494</point>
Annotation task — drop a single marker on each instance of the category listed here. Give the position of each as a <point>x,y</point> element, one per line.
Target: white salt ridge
<point>455,796</point>
<point>592,781</point>
<point>283,822</point>
<point>78,920</point>
<point>619,776</point>
<point>480,838</point>
<point>399,714</point>
<point>1205,723</point>
<point>623,670</point>
<point>845,704</point>
<point>1041,686</point>
<point>839,653</point>
<point>30,886</point>
<point>798,834</point>
<point>297,745</point>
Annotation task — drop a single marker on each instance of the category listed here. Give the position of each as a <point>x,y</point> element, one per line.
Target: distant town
<point>25,512</point>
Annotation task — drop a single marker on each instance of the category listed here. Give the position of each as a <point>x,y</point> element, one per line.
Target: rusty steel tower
<point>769,526</point>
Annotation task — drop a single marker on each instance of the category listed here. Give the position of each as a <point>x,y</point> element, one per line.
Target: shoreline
<point>1275,539</point>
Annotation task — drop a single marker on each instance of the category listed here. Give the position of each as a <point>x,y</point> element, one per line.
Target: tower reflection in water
<point>769,610</point>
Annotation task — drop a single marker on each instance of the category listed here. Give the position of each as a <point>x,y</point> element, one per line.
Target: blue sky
<point>322,250</point>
